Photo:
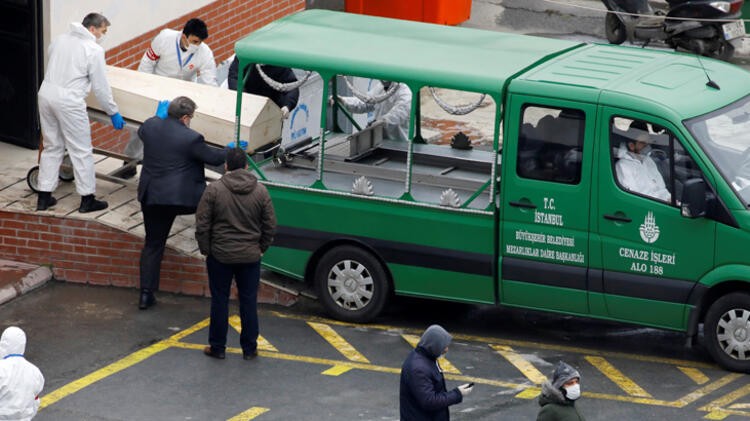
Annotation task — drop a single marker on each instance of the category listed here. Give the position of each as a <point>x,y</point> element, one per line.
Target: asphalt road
<point>103,359</point>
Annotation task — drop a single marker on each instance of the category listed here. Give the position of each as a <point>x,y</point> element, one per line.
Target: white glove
<point>331,101</point>
<point>465,389</point>
<point>284,112</point>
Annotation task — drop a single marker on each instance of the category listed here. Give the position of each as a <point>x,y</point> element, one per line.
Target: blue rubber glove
<point>161,109</point>
<point>117,121</point>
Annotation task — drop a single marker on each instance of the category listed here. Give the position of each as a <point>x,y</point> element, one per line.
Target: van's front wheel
<point>351,284</point>
<point>727,331</point>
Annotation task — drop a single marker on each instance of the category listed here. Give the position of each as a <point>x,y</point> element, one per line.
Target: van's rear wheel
<point>614,29</point>
<point>351,283</point>
<point>727,331</point>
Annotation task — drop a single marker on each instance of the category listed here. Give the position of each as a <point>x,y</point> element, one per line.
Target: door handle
<point>525,205</point>
<point>618,218</point>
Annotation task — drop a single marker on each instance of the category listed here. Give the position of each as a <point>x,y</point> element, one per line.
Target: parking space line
<point>263,344</point>
<point>695,375</point>
<point>509,342</point>
<point>518,361</point>
<point>250,414</point>
<point>717,408</point>
<point>130,360</point>
<point>345,348</point>
<point>621,380</point>
<point>446,365</point>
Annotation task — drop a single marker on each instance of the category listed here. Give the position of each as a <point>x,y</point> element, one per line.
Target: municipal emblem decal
<point>649,229</point>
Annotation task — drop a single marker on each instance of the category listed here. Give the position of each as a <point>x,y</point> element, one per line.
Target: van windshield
<point>725,136</point>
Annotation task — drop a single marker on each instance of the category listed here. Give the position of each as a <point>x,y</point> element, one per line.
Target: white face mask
<point>192,48</point>
<point>101,39</point>
<point>573,392</point>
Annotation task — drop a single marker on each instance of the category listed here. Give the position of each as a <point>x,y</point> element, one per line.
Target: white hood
<point>13,341</point>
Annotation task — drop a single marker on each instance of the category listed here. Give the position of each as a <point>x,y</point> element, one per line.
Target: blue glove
<point>117,121</point>
<point>161,109</point>
<point>243,145</point>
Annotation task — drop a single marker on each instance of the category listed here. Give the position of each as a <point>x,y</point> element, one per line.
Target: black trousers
<point>157,221</point>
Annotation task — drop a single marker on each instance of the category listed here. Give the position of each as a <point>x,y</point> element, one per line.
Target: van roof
<point>483,61</point>
<point>632,77</point>
<point>393,49</point>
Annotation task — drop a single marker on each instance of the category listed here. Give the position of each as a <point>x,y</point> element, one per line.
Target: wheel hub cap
<point>350,285</point>
<point>733,333</point>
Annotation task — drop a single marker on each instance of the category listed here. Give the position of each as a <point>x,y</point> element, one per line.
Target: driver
<point>637,171</point>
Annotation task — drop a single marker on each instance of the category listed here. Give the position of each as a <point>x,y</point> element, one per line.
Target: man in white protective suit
<point>637,171</point>
<point>179,55</point>
<point>76,65</point>
<point>393,111</point>
<point>21,382</point>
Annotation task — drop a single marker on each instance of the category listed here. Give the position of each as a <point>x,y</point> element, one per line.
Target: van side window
<point>648,160</point>
<point>550,144</point>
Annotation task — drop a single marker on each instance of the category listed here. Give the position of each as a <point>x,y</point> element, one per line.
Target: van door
<point>651,255</point>
<point>545,217</point>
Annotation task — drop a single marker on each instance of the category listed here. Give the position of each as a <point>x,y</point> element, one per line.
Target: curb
<point>33,280</point>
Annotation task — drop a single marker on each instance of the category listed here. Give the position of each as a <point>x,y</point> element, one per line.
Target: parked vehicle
<point>705,27</point>
<point>544,217</point>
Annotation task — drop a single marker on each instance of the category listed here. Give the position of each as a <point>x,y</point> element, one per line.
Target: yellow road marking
<point>518,361</point>
<point>263,344</point>
<point>336,370</point>
<point>250,414</point>
<point>695,375</point>
<point>529,393</point>
<point>716,408</point>
<point>620,379</point>
<point>509,342</point>
<point>446,365</point>
<point>341,345</point>
<point>118,366</point>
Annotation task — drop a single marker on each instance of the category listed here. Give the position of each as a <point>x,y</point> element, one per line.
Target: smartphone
<point>471,384</point>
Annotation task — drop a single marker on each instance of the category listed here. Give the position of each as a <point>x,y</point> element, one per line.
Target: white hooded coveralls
<point>394,110</point>
<point>165,58</point>
<point>640,174</point>
<point>21,382</point>
<point>76,65</point>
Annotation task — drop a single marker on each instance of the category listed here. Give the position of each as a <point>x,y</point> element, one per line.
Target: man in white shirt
<point>181,55</point>
<point>636,171</point>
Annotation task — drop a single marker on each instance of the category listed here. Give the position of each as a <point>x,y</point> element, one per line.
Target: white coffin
<point>137,95</point>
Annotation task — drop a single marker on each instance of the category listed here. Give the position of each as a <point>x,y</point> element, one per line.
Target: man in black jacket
<point>234,226</point>
<point>257,86</point>
<point>172,182</point>
<point>423,395</point>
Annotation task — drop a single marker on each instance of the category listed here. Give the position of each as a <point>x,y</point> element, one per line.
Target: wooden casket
<point>137,95</point>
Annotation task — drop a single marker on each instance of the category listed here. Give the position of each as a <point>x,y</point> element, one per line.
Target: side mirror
<point>694,200</point>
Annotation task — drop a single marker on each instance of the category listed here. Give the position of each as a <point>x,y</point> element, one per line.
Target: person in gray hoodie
<point>235,225</point>
<point>558,398</point>
<point>422,394</point>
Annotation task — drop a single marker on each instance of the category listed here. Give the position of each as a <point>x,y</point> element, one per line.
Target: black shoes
<point>147,299</point>
<point>90,204</point>
<point>247,356</point>
<point>128,173</point>
<point>214,354</point>
<point>45,200</point>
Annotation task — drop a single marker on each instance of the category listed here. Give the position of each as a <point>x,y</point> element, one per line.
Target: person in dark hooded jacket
<point>235,225</point>
<point>558,398</point>
<point>423,395</point>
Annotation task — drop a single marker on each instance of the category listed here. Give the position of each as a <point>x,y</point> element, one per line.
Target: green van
<point>606,181</point>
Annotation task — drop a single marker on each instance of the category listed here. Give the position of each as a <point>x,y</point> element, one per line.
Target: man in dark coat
<point>423,395</point>
<point>257,86</point>
<point>558,398</point>
<point>172,182</point>
<point>234,226</point>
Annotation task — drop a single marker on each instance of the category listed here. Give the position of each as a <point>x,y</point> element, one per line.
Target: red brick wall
<point>227,21</point>
<point>90,252</point>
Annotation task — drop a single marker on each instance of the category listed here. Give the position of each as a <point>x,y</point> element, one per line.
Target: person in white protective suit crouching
<point>76,65</point>
<point>21,382</point>
<point>393,110</point>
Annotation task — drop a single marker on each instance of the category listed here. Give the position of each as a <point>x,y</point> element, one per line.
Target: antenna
<point>710,83</point>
